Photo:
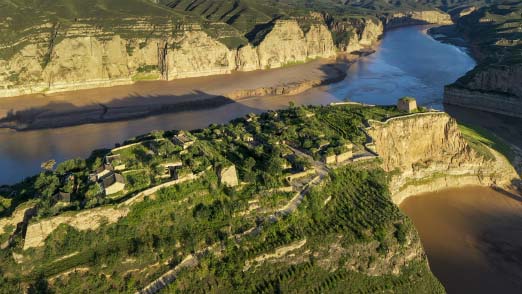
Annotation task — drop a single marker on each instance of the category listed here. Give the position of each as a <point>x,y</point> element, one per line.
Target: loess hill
<point>293,201</point>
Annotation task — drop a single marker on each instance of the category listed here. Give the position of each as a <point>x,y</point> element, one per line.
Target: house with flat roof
<point>62,197</point>
<point>115,161</point>
<point>183,139</point>
<point>407,104</point>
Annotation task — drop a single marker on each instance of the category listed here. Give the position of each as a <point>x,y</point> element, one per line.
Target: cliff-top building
<point>407,104</point>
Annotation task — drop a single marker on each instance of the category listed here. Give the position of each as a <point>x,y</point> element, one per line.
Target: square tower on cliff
<point>407,104</point>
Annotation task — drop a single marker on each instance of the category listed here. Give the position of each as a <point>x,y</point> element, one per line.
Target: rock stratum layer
<point>427,152</point>
<point>495,85</point>
<point>416,18</point>
<point>59,56</point>
<point>81,56</point>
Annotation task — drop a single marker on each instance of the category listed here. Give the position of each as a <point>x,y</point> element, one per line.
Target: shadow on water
<point>59,114</point>
<point>472,237</point>
<point>118,119</point>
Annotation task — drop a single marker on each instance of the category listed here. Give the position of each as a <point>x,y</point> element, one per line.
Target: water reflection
<point>408,63</point>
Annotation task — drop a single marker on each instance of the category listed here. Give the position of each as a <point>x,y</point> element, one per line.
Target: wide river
<point>472,236</point>
<point>408,62</point>
<point>464,231</point>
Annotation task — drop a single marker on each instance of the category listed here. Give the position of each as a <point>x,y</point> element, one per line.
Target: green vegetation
<point>478,138</point>
<point>233,22</point>
<point>495,32</point>
<point>347,226</point>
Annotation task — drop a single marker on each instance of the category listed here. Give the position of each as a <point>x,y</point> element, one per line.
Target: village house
<point>62,197</point>
<point>180,172</point>
<point>115,161</point>
<point>101,172</point>
<point>407,104</point>
<point>183,139</point>
<point>113,183</point>
<point>169,169</point>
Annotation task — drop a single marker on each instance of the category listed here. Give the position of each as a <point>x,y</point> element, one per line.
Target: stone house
<point>113,183</point>
<point>62,197</point>
<point>183,139</point>
<point>169,168</point>
<point>407,104</point>
<point>115,161</point>
<point>180,172</point>
<point>101,172</point>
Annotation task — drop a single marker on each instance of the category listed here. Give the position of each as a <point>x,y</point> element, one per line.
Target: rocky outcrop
<point>490,101</point>
<point>354,34</point>
<point>494,88</point>
<point>86,220</point>
<point>400,19</point>
<point>82,57</point>
<point>228,176</point>
<point>427,152</point>
<point>495,83</point>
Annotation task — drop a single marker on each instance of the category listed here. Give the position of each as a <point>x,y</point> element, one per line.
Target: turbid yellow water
<point>472,236</point>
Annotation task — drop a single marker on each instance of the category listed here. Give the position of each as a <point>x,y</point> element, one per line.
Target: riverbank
<point>150,98</point>
<point>494,84</point>
<point>471,236</point>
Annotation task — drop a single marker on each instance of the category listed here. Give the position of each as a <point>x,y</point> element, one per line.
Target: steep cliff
<point>427,152</point>
<point>83,57</point>
<point>415,18</point>
<point>496,83</point>
<point>353,34</point>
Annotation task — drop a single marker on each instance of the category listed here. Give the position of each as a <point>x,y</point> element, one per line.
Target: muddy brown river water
<point>472,236</point>
<point>407,62</point>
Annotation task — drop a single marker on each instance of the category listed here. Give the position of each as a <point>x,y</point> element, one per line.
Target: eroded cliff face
<point>83,57</point>
<point>427,152</point>
<point>355,34</point>
<point>416,17</point>
<point>489,88</point>
<point>495,83</point>
<point>37,232</point>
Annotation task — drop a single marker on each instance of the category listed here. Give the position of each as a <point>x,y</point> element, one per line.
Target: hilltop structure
<point>407,104</point>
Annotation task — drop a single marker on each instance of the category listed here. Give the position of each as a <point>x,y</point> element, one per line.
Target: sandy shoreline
<point>40,111</point>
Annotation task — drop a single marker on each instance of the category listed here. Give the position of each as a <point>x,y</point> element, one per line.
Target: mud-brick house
<point>115,161</point>
<point>113,183</point>
<point>183,139</point>
<point>62,197</point>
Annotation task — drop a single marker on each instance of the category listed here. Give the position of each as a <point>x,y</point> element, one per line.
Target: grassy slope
<point>504,23</point>
<point>159,232</point>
